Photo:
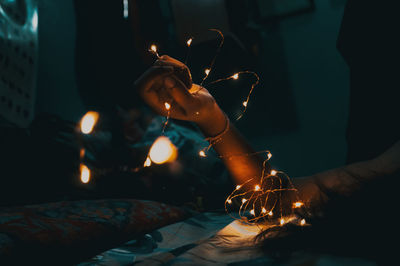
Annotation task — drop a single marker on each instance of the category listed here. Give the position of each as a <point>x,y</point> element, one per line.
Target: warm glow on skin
<point>88,122</point>
<point>85,174</point>
<point>163,151</point>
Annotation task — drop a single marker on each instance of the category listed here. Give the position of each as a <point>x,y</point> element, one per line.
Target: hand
<point>165,83</point>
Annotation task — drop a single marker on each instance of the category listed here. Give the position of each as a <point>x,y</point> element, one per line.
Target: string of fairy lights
<point>262,202</point>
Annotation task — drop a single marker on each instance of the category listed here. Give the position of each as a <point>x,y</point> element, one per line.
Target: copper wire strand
<point>210,68</point>
<point>264,191</point>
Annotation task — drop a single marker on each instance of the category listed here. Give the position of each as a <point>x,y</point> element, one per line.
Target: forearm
<point>345,180</point>
<point>234,150</point>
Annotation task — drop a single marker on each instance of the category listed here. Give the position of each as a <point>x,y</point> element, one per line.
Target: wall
<point>56,86</point>
<point>319,79</point>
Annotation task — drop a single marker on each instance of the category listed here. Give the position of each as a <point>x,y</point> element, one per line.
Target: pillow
<point>69,232</point>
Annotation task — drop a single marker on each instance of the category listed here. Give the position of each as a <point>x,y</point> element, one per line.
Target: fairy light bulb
<point>264,210</point>
<point>252,212</point>
<point>88,122</point>
<point>244,200</point>
<point>167,106</point>
<point>163,151</point>
<point>244,103</point>
<point>270,213</point>
<point>202,154</point>
<point>297,204</point>
<point>302,222</point>
<point>238,187</point>
<point>85,174</point>
<point>235,76</point>
<point>147,163</point>
<point>269,155</point>
<point>229,201</point>
<point>273,172</point>
<point>82,153</point>
<point>257,188</point>
<point>189,42</point>
<point>153,49</point>
<point>207,71</point>
<point>282,221</point>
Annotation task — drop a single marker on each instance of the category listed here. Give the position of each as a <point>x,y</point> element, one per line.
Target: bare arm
<point>161,84</point>
<point>236,153</point>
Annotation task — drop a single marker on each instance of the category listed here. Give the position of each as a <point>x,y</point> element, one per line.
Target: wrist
<point>214,124</point>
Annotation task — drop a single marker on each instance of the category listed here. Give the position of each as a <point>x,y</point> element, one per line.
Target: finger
<point>178,91</point>
<point>161,62</point>
<point>152,75</point>
<point>171,60</point>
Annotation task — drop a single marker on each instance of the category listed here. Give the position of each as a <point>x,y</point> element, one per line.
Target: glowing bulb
<point>82,153</point>
<point>244,200</point>
<point>297,204</point>
<point>303,222</point>
<point>167,106</point>
<point>257,188</point>
<point>189,42</point>
<point>236,76</point>
<point>264,210</point>
<point>270,213</point>
<point>207,71</point>
<point>163,151</point>
<point>202,154</point>
<point>245,103</point>
<point>252,212</point>
<point>238,187</point>
<point>34,21</point>
<point>88,122</point>
<point>153,48</point>
<point>273,172</point>
<point>147,163</point>
<point>282,221</point>
<point>85,174</point>
<point>269,155</point>
<point>229,201</point>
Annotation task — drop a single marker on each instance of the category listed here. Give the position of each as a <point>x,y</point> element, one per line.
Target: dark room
<point>199,132</point>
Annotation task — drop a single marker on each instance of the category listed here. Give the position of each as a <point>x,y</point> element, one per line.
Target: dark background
<point>299,112</point>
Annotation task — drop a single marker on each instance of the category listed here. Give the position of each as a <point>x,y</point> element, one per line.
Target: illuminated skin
<point>160,84</point>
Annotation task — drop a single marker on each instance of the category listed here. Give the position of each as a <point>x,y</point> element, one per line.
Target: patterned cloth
<point>211,239</point>
<point>68,232</point>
